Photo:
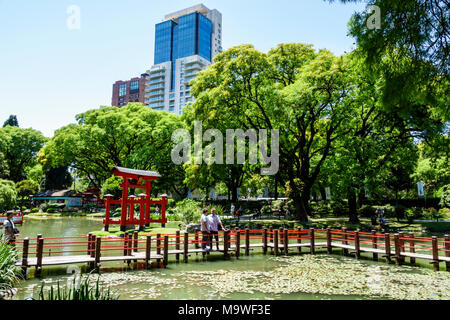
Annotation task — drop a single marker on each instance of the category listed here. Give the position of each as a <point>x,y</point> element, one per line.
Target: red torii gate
<point>143,200</point>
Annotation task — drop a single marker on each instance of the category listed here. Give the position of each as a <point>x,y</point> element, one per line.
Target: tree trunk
<point>234,197</point>
<point>352,206</point>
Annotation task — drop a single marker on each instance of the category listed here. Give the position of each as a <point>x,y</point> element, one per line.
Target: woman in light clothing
<point>214,222</point>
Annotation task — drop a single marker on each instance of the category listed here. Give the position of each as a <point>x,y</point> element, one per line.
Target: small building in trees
<point>71,198</point>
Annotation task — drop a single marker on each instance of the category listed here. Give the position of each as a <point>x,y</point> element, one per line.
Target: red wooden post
<point>125,244</point>
<point>286,241</point>
<point>247,242</point>
<point>177,245</point>
<point>226,243</point>
<point>39,253</point>
<point>397,249</point>
<point>357,245</point>
<point>447,250</point>
<point>92,251</point>
<point>196,240</point>
<point>186,247</point>
<point>281,235</point>
<point>238,242</point>
<point>344,241</point>
<point>124,203</point>
<point>299,238</point>
<point>148,191</point>
<point>98,245</point>
<point>387,245</point>
<point>107,211</point>
<point>166,251</point>
<point>271,234</point>
<point>412,248</point>
<point>312,241</point>
<point>158,248</point>
<point>375,244</point>
<point>434,245</point>
<point>275,241</point>
<point>25,246</point>
<point>265,240</point>
<point>136,243</point>
<point>329,248</point>
<point>131,200</point>
<point>401,241</point>
<point>163,210</point>
<point>148,250</point>
<point>142,212</point>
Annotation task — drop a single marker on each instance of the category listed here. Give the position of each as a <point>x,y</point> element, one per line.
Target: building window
<point>123,90</point>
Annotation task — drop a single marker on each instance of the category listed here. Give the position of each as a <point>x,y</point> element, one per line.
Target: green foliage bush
<point>339,208</point>
<point>188,210</point>
<point>322,208</point>
<point>43,207</point>
<point>9,273</point>
<point>400,211</point>
<point>34,210</point>
<point>414,213</point>
<point>8,195</point>
<point>366,211</point>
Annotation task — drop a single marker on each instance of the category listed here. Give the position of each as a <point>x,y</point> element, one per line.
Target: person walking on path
<point>10,232</point>
<point>233,209</point>
<point>214,222</point>
<point>204,228</point>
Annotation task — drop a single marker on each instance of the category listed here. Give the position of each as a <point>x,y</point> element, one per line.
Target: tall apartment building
<point>132,90</point>
<point>185,43</point>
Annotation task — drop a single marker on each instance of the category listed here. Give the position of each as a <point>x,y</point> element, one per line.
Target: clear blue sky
<point>49,73</point>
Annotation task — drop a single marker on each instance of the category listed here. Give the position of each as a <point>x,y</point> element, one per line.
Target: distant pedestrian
<point>206,239</point>
<point>233,210</point>
<point>214,223</point>
<point>10,232</point>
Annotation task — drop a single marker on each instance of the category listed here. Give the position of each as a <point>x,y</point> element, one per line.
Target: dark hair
<point>9,214</point>
<point>205,211</point>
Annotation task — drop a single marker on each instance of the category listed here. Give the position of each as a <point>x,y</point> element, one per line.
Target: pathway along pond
<point>302,277</point>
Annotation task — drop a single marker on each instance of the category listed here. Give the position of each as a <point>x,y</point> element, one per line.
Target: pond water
<point>300,277</point>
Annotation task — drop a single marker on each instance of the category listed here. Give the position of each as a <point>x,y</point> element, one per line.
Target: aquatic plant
<point>9,272</point>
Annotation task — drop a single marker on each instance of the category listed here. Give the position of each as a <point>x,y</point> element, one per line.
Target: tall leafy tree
<point>306,95</point>
<point>21,149</point>
<point>11,121</point>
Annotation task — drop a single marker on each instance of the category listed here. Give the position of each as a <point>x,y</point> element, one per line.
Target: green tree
<point>306,95</point>
<point>133,136</point>
<point>58,178</point>
<point>25,188</point>
<point>21,148</point>
<point>11,121</point>
<point>8,195</point>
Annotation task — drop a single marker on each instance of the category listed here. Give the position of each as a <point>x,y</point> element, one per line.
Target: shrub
<point>51,210</point>
<point>188,210</point>
<point>339,208</point>
<point>43,207</point>
<point>321,208</point>
<point>367,211</point>
<point>8,195</point>
<point>414,214</point>
<point>34,210</point>
<point>9,273</point>
<point>400,211</point>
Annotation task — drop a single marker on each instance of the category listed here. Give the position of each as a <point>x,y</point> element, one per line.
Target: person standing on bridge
<point>214,222</point>
<point>204,228</point>
<point>10,232</point>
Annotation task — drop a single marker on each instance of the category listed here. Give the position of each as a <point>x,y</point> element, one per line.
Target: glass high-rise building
<point>185,43</point>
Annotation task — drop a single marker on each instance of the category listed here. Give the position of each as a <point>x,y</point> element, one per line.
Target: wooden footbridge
<point>155,251</point>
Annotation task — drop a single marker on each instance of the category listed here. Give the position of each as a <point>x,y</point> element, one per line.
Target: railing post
<point>158,249</point>
<point>387,246</point>
<point>434,245</point>
<point>286,241</point>
<point>177,245</point>
<point>447,250</point>
<point>412,248</point>
<point>357,245</point>
<point>26,244</point>
<point>148,250</point>
<point>299,238</point>
<point>271,235</point>
<point>166,251</point>
<point>238,242</point>
<point>98,245</point>
<point>125,244</point>
<point>344,241</point>
<point>93,244</point>
<point>375,244</point>
<point>401,243</point>
<point>265,240</point>
<point>281,235</point>
<point>226,243</point>
<point>89,246</point>
<point>186,247</point>
<point>136,243</point>
<point>39,252</point>
<point>275,241</point>
<point>196,240</point>
<point>329,248</point>
<point>312,241</point>
<point>130,245</point>
<point>247,241</point>
<point>397,249</point>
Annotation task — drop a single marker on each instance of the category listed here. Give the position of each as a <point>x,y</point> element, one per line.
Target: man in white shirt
<point>8,225</point>
<point>214,222</point>
<point>206,232</point>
